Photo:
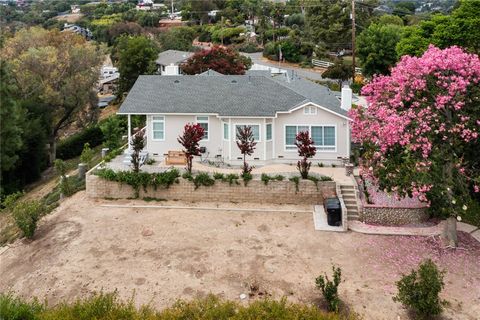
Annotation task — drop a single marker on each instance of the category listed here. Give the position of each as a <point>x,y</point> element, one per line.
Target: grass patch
<point>107,306</point>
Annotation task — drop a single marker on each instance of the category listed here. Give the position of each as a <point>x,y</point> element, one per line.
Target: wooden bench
<point>175,157</point>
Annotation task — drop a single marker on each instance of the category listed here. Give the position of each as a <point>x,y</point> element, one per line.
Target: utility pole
<point>353,40</point>
<point>222,30</point>
<point>172,10</point>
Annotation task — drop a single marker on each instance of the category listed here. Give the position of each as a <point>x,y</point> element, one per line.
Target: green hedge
<point>72,146</point>
<point>107,306</point>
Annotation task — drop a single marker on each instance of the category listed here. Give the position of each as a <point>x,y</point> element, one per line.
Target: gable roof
<point>175,57</point>
<point>225,95</point>
<point>210,72</point>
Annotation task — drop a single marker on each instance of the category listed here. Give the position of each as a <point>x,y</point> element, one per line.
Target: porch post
<point>274,136</point>
<point>264,138</point>
<point>230,137</point>
<point>129,134</point>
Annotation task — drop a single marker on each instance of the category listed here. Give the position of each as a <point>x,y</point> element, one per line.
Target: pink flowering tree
<point>420,132</point>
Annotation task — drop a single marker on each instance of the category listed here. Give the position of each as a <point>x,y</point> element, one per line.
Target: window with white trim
<point>310,110</point>
<point>268,132</point>
<point>324,137</point>
<point>203,122</point>
<point>255,130</point>
<point>225,131</point>
<point>158,128</point>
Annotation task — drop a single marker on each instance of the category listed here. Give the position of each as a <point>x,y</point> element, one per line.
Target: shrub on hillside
<point>72,146</point>
<point>13,308</point>
<point>330,288</point>
<point>419,291</point>
<point>26,215</point>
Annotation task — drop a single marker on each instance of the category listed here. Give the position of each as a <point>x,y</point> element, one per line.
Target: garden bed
<point>171,185</point>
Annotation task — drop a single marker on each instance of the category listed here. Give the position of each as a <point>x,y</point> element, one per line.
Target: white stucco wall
<point>265,150</point>
<point>321,118</point>
<point>174,127</point>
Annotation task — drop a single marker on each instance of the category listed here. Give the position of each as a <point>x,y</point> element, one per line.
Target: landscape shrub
<point>26,215</point>
<point>232,178</point>
<point>218,176</point>
<point>203,179</point>
<point>72,146</point>
<point>266,178</point>
<point>295,180</point>
<point>10,200</point>
<point>246,176</point>
<point>69,186</point>
<point>330,288</point>
<point>87,155</point>
<point>107,306</point>
<point>141,179</point>
<point>419,291</point>
<point>112,130</point>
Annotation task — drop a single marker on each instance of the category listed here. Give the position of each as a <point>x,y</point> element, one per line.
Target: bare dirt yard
<point>160,255</point>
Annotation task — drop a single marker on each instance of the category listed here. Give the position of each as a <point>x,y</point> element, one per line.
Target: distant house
<point>108,82</point>
<point>85,32</point>
<point>169,62</point>
<point>276,108</point>
<point>75,8</point>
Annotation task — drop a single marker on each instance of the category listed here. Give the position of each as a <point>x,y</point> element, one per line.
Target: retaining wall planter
<point>275,192</point>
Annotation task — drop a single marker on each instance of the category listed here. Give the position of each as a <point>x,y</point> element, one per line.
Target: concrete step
<point>349,196</point>
<point>350,201</point>
<point>351,206</point>
<point>346,188</point>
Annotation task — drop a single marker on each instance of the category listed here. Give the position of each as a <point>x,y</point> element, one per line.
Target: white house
<point>276,108</point>
<point>169,61</point>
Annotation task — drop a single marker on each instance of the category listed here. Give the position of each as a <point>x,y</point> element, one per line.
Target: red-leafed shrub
<point>220,59</point>
<point>246,143</point>
<point>306,150</point>
<point>192,134</point>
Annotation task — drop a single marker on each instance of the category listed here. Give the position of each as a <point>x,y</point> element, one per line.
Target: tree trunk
<point>450,232</point>
<point>52,151</point>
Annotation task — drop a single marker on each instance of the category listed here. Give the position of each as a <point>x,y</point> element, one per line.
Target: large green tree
<point>136,56</point>
<point>11,119</point>
<point>179,38</point>
<point>57,69</point>
<point>461,28</point>
<point>328,23</point>
<point>376,48</point>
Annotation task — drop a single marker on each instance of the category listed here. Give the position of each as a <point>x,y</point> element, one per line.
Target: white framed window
<point>255,130</point>
<point>268,132</point>
<point>226,133</point>
<point>158,128</point>
<point>324,137</point>
<point>203,122</point>
<point>310,110</point>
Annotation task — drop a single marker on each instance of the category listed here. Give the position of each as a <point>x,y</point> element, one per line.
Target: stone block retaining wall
<point>275,192</point>
<point>394,216</point>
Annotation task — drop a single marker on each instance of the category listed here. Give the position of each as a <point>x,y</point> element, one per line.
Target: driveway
<point>165,254</point>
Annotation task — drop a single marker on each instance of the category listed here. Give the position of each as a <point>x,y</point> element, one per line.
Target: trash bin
<point>334,211</point>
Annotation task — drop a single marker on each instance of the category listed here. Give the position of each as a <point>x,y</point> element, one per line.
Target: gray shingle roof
<point>255,96</point>
<point>313,92</point>
<point>168,57</point>
<point>210,72</point>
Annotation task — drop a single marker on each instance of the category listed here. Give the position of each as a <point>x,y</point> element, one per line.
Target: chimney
<point>346,102</point>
